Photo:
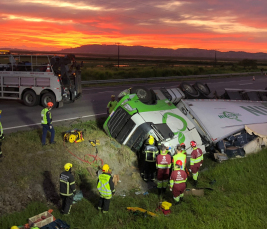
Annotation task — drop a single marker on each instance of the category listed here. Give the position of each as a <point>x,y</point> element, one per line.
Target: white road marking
<point>245,83</point>
<point>35,124</point>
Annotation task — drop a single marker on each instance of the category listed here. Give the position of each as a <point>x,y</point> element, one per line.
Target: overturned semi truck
<point>221,125</point>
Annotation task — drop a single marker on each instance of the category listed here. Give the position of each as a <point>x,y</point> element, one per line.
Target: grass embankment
<point>237,201</point>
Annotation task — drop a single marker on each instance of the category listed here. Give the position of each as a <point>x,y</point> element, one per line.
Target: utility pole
<point>118,53</point>
<point>215,59</point>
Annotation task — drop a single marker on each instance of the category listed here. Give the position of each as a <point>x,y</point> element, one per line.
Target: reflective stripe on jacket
<point>196,156</point>
<point>1,130</point>
<point>43,115</point>
<point>67,184</point>
<point>177,177</point>
<point>150,153</point>
<point>181,157</point>
<point>104,185</point>
<point>163,161</point>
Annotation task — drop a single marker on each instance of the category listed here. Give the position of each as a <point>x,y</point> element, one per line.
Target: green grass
<point>237,201</point>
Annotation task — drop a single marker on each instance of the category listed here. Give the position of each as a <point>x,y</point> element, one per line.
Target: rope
<point>96,158</point>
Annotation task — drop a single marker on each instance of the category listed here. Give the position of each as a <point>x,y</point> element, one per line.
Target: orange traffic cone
<point>253,78</point>
<point>48,68</point>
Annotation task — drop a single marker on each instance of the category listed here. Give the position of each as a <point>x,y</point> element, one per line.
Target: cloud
<point>209,24</point>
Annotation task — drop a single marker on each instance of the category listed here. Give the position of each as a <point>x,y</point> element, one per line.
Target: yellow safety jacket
<point>112,105</point>
<point>43,115</point>
<point>179,156</point>
<point>103,186</point>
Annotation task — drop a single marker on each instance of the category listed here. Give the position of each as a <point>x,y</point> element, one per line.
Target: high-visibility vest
<point>43,115</point>
<point>112,105</point>
<point>184,152</point>
<point>104,187</point>
<point>179,156</point>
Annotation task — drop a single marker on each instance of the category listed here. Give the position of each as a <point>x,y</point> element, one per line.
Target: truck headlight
<point>128,107</point>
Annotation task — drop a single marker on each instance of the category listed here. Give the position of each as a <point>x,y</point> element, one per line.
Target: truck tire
<point>48,97</point>
<point>30,99</point>
<point>202,88</point>
<point>143,94</point>
<point>189,91</point>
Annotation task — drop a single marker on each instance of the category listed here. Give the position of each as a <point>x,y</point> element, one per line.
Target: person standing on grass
<point>106,188</point>
<point>1,136</point>
<point>178,182</point>
<point>163,165</point>
<point>179,156</point>
<point>150,152</point>
<point>111,105</point>
<point>67,189</point>
<point>47,123</point>
<point>195,161</point>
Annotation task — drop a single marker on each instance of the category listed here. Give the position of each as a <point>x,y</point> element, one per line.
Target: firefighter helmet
<point>193,143</point>
<point>151,140</point>
<point>14,227</point>
<point>50,104</point>
<point>106,168</point>
<point>67,166</point>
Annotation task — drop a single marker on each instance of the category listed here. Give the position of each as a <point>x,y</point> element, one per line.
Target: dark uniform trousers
<point>66,203</point>
<point>103,204</point>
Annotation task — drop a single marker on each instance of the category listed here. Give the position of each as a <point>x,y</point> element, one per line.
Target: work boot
<point>53,142</point>
<point>181,199</point>
<point>195,183</point>
<point>44,145</point>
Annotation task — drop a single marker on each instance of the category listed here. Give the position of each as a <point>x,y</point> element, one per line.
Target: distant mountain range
<point>164,52</point>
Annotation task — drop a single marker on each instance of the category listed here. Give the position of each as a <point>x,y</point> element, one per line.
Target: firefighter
<point>195,161</point>
<point>111,105</point>
<point>179,156</point>
<point>149,164</point>
<point>47,123</point>
<point>163,165</point>
<point>178,182</point>
<point>1,136</point>
<point>106,188</point>
<point>183,148</point>
<point>67,189</point>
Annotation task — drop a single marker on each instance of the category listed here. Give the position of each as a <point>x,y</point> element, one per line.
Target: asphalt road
<point>16,116</point>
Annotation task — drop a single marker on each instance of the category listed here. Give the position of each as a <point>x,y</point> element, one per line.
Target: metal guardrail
<point>167,78</point>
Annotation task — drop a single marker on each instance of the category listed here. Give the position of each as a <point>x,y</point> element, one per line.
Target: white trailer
<point>39,79</point>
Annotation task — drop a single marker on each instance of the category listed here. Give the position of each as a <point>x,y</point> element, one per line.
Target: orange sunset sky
<point>226,25</point>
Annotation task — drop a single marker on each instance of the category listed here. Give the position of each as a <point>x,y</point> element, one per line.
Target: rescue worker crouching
<point>149,163</point>
<point>106,188</point>
<point>47,123</point>
<point>1,136</point>
<point>178,182</point>
<point>67,188</point>
<point>195,161</point>
<point>163,165</point>
<point>111,105</point>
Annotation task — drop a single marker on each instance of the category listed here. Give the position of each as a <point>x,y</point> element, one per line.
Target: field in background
<point>102,67</point>
<point>30,173</point>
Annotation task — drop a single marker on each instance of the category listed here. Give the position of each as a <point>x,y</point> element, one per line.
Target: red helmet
<point>50,104</point>
<point>183,145</point>
<point>179,162</point>
<point>193,143</point>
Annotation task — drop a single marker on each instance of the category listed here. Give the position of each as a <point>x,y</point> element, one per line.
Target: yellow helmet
<point>106,168</point>
<point>151,140</point>
<point>14,227</point>
<point>67,166</point>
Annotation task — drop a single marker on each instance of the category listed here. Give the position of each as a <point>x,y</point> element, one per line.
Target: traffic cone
<point>48,68</point>
<point>253,78</point>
